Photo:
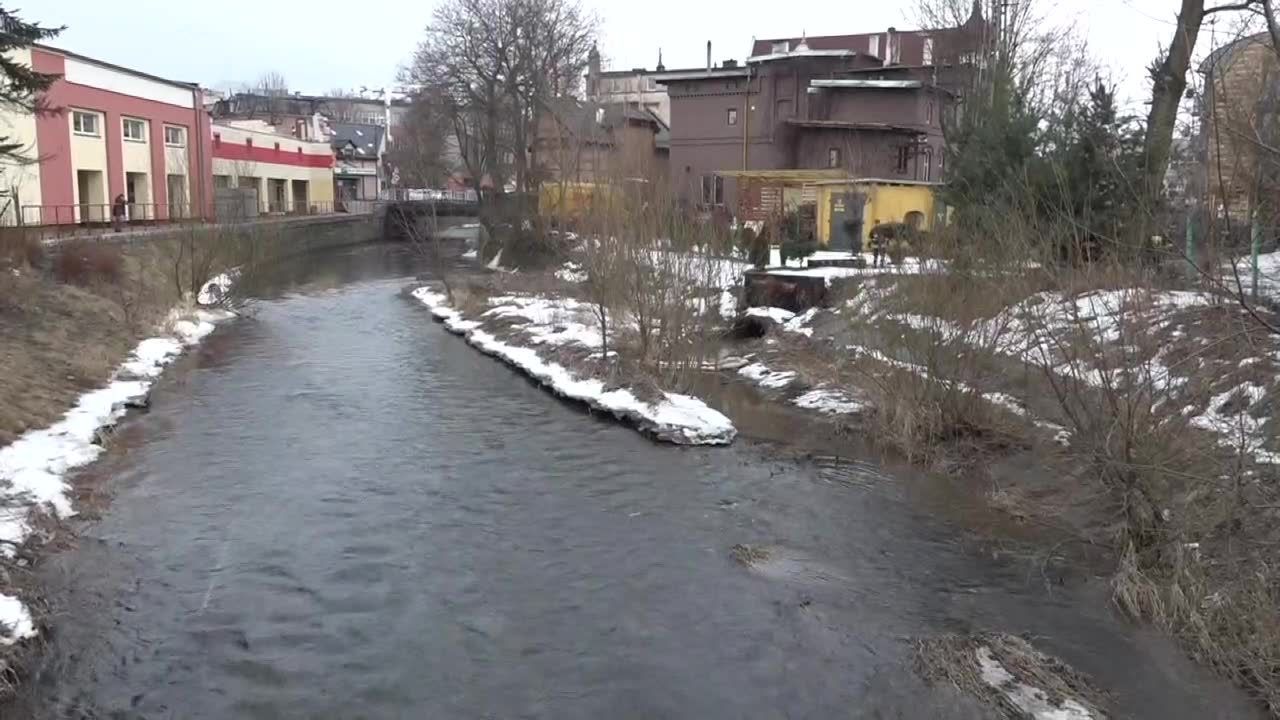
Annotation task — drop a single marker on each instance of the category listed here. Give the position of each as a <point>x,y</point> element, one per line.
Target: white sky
<point>321,45</point>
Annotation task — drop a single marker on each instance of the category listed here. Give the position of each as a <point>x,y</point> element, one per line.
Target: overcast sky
<point>322,45</point>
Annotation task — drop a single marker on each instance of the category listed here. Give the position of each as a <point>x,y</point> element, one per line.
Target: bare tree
<point>270,97</point>
<point>492,62</point>
<point>421,143</point>
<point>1169,84</point>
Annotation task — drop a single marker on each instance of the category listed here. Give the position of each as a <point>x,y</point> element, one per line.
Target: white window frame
<point>731,116</point>
<point>781,46</point>
<point>928,51</point>
<point>873,45</point>
<point>182,136</point>
<point>124,132</point>
<point>76,115</point>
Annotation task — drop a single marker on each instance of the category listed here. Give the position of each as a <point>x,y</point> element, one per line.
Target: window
<point>781,46</point>
<point>712,190</point>
<point>928,51</point>
<point>873,46</point>
<point>135,130</point>
<point>732,116</point>
<point>904,158</point>
<point>833,157</point>
<point>84,123</point>
<point>175,136</point>
<point>930,113</point>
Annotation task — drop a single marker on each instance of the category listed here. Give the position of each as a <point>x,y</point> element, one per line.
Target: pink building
<point>115,132</point>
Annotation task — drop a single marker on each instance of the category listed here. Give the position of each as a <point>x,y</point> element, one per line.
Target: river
<point>335,509</point>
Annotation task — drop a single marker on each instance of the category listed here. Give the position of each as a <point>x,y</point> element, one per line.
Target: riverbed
<point>334,508</point>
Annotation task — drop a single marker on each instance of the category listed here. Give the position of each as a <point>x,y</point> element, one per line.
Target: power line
<point>1147,15</point>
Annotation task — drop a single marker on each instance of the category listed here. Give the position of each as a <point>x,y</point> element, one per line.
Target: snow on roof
<point>801,53</point>
<point>881,84</point>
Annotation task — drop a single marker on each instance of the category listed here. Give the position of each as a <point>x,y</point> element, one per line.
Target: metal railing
<point>462,196</point>
<point>61,221</point>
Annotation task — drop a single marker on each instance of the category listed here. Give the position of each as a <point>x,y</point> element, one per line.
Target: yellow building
<point>846,209</point>
<point>289,175</point>
<point>857,206</point>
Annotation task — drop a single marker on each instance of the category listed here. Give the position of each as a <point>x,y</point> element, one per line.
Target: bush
<point>84,262</point>
<point>21,249</point>
<point>753,245</point>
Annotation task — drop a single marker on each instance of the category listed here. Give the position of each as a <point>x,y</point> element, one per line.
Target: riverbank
<point>89,329</point>
<point>552,342</point>
<point>1131,418</point>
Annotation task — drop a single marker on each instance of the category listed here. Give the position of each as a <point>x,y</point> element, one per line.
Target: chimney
<point>708,56</point>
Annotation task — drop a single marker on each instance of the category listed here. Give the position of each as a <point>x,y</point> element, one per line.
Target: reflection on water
<point>335,509</point>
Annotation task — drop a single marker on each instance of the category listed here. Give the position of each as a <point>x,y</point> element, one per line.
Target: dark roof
<point>844,125</point>
<point>587,119</point>
<point>366,138</point>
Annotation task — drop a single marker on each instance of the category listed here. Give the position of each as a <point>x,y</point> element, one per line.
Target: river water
<point>335,509</point>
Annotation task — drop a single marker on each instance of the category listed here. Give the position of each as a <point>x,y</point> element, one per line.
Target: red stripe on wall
<point>239,152</point>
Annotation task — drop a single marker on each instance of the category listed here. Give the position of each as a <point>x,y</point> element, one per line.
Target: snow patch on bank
<point>761,375</point>
<point>1029,699</point>
<point>34,467</point>
<point>1238,429</point>
<point>572,272</point>
<point>680,419</point>
<point>217,289</point>
<point>830,402</point>
<point>15,621</point>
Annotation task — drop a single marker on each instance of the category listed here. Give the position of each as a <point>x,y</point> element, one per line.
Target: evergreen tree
<point>20,85</point>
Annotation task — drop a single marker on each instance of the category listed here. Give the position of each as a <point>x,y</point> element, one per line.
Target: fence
<point>61,221</point>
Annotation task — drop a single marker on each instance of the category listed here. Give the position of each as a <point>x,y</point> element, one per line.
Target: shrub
<point>84,262</point>
<point>21,249</point>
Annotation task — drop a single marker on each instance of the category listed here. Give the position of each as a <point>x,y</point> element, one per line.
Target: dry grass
<point>59,340</point>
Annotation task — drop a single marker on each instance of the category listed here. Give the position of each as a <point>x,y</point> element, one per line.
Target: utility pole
<point>746,124</point>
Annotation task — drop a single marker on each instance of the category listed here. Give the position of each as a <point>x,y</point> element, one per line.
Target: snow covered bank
<point>33,468</point>
<point>1031,700</point>
<point>679,419</point>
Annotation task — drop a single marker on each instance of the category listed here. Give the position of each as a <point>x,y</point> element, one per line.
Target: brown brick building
<point>578,141</point>
<point>1238,118</point>
<point>866,106</point>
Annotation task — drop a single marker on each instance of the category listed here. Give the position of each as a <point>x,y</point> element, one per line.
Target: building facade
<point>1238,119</point>
<point>586,142</point>
<point>637,88</point>
<point>114,132</point>
<point>281,174</point>
<point>858,107</point>
<point>358,175</point>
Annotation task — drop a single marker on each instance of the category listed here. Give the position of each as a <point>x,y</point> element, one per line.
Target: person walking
<point>877,244</point>
<point>118,212</point>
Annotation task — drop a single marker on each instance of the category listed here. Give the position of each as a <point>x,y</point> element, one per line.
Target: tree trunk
<point>1168,85</point>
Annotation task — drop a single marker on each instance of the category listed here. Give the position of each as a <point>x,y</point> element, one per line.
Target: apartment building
<point>114,131</point>
<point>752,139</point>
<point>278,173</point>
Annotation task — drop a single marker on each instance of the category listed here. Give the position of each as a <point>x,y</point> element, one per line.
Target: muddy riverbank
<point>336,508</point>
